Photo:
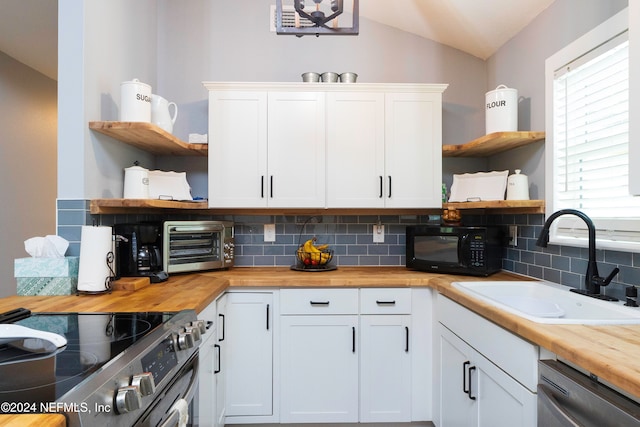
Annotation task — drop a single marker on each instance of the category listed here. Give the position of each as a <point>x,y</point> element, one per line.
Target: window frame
<point>590,41</point>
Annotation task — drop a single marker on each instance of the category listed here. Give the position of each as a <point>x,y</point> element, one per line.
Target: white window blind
<point>591,143</point>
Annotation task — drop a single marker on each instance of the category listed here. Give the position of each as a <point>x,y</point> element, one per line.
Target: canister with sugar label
<point>501,110</point>
<point>135,101</point>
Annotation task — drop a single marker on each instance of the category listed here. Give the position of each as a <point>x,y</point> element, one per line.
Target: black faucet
<point>592,279</point>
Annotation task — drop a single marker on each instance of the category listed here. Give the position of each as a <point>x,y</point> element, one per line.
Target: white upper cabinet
<point>355,150</point>
<point>296,134</point>
<point>317,145</point>
<point>413,150</point>
<point>238,146</point>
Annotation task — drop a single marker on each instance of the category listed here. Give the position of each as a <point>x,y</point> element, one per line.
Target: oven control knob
<point>194,331</point>
<point>128,399</point>
<point>145,383</point>
<point>185,340</point>
<point>201,325</point>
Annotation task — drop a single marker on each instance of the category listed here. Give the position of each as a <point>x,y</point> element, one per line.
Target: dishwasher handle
<point>553,410</point>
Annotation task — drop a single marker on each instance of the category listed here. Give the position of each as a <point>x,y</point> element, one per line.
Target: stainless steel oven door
<point>174,406</point>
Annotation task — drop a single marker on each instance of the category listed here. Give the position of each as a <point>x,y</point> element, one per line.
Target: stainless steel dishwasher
<point>569,398</point>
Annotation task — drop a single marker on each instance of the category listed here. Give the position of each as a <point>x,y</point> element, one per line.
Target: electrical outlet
<point>378,233</point>
<point>269,232</point>
<point>513,235</point>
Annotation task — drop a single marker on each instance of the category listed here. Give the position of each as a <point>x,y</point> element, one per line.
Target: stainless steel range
<point>116,369</point>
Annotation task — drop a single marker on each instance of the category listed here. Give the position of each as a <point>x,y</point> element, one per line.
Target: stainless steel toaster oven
<point>197,245</point>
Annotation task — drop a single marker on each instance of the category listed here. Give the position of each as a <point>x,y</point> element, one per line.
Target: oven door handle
<point>195,228</point>
<point>175,417</point>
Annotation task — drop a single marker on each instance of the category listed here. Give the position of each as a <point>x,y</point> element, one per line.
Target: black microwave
<point>473,251</point>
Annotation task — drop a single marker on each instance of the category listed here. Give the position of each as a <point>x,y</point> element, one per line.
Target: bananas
<point>310,254</point>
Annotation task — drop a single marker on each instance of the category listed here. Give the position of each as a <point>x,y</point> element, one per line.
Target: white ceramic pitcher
<point>160,115</point>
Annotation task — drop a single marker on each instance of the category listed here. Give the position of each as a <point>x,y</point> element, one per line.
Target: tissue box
<point>46,276</point>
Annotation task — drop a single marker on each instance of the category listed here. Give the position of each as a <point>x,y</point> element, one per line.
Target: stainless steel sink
<point>546,302</point>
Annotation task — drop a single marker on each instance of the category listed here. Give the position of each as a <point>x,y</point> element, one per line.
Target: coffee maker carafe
<point>139,251</point>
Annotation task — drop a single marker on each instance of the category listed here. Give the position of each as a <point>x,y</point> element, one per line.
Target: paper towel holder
<point>108,281</point>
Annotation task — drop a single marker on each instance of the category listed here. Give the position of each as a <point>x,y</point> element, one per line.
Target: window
<point>587,85</point>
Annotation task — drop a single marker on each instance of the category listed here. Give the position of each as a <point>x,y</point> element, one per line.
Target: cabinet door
<point>220,370</point>
<point>502,401</point>
<point>319,371</point>
<point>205,406</point>
<point>237,149</point>
<point>413,150</point>
<point>249,350</point>
<point>355,150</point>
<point>296,154</point>
<point>475,392</point>
<point>385,368</point>
<point>456,407</point>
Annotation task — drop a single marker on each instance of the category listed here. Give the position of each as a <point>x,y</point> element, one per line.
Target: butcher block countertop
<point>610,352</point>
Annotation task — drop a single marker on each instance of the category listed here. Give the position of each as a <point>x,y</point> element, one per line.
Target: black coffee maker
<point>139,251</point>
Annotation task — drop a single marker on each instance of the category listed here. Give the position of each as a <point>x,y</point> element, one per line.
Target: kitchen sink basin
<point>546,302</point>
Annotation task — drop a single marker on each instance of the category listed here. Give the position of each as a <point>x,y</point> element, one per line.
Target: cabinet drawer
<point>319,301</point>
<point>385,301</point>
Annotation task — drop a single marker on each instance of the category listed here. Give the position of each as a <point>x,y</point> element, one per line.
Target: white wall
<point>28,123</point>
<point>520,64</point>
<point>230,41</point>
<point>101,44</point>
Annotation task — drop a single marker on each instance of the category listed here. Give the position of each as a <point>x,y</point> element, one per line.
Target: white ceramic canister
<point>160,114</point>
<point>518,186</point>
<point>135,101</point>
<point>136,183</point>
<point>501,110</point>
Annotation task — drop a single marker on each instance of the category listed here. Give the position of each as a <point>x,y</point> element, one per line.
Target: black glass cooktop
<point>33,369</point>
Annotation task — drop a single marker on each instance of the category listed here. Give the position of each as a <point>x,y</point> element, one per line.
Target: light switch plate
<point>378,233</point>
<point>513,235</point>
<point>269,232</point>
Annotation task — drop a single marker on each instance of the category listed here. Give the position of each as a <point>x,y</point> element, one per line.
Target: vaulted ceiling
<point>29,28</point>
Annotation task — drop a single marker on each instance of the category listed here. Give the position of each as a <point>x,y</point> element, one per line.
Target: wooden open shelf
<point>491,144</point>
<point>500,206</point>
<point>149,137</point>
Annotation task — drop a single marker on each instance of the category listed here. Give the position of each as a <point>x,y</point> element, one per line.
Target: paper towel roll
<point>94,341</point>
<point>95,247</point>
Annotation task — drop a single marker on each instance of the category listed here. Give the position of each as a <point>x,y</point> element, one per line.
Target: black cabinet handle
<point>406,347</point>
<point>271,186</point>
<point>267,317</point>
<point>467,369</point>
<point>353,339</point>
<point>389,186</point>
<point>319,302</point>
<point>393,302</point>
<point>471,369</point>
<point>464,377</point>
<point>223,323</point>
<point>209,324</point>
<point>216,371</point>
<point>262,186</point>
<point>381,180</point>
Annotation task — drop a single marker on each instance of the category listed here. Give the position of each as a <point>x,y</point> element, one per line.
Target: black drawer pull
<point>319,302</point>
<point>223,327</point>
<point>406,347</point>
<point>386,302</point>
<point>217,371</point>
<point>353,339</point>
<point>267,317</point>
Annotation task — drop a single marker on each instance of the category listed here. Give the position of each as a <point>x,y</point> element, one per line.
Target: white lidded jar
<point>136,183</point>
<point>518,186</point>
<point>501,110</point>
<point>135,101</point>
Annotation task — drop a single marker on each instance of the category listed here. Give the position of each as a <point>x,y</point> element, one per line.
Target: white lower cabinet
<point>248,356</point>
<point>350,355</point>
<point>210,399</point>
<point>474,390</point>
<point>385,368</point>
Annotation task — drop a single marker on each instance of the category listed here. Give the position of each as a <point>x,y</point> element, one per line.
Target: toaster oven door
<point>193,246</point>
